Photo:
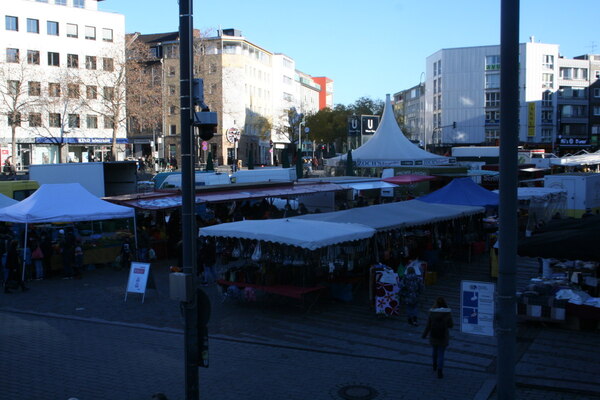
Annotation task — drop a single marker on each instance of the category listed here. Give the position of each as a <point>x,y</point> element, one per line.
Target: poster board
<point>477,307</point>
<point>138,278</point>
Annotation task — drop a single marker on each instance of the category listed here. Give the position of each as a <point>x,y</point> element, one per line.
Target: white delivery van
<point>583,191</point>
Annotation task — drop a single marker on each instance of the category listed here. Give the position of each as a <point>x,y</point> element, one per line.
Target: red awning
<point>408,178</point>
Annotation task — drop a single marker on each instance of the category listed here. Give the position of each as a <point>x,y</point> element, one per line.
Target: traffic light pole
<point>188,220</point>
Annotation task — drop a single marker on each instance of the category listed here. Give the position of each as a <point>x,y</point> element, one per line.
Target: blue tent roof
<point>462,191</point>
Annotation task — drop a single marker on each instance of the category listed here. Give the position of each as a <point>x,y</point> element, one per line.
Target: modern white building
<point>66,56</point>
<point>462,97</point>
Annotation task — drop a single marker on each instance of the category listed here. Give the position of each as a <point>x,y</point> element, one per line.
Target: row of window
<point>55,120</point>
<point>53,28</point>
<point>34,88</point>
<point>76,3</point>
<point>33,58</point>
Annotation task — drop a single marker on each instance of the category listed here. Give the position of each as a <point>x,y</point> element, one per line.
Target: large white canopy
<point>390,148</point>
<point>294,232</point>
<point>66,202</point>
<point>397,215</point>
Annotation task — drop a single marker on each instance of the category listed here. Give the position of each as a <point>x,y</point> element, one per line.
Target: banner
<point>477,307</point>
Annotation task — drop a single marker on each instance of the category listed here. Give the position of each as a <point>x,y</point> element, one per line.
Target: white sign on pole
<point>138,277</point>
<point>477,307</point>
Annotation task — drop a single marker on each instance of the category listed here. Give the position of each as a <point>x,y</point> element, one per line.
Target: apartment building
<point>251,89</point>
<point>410,104</point>
<point>59,78</point>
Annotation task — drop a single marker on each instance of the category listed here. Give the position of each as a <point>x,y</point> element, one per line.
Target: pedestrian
<point>13,264</point>
<point>78,259</point>
<point>411,286</point>
<point>38,260</point>
<point>47,249</point>
<point>438,323</point>
<point>67,252</point>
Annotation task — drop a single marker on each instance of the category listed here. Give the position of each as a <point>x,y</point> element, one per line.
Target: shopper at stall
<point>438,323</point>
<point>38,260</point>
<point>411,286</point>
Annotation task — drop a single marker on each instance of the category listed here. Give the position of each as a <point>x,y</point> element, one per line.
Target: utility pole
<point>188,220</point>
<point>509,140</point>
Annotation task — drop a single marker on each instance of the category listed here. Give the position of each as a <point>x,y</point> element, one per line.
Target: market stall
<point>567,288</point>
<point>286,257</point>
<point>68,202</point>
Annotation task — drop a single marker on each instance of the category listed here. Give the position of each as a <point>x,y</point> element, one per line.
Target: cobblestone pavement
<point>78,338</point>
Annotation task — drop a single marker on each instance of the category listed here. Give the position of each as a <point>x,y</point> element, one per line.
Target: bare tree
<point>144,88</point>
<point>15,98</point>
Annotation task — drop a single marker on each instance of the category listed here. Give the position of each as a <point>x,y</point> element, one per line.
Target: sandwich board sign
<point>138,277</point>
<point>477,307</point>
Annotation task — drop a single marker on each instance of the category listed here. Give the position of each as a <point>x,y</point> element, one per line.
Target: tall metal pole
<point>188,220</point>
<point>509,141</point>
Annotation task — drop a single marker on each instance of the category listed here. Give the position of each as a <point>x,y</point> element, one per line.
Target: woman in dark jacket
<point>14,266</point>
<point>438,323</point>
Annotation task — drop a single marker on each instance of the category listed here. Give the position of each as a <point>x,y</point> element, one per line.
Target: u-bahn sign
<point>354,125</point>
<point>362,125</point>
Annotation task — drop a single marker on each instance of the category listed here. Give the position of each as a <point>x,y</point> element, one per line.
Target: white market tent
<point>390,148</point>
<point>307,234</point>
<point>577,160</point>
<point>397,215</point>
<point>66,202</point>
<point>6,201</point>
<point>538,193</point>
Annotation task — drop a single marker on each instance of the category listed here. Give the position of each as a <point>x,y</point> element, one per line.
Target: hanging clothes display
<point>386,291</point>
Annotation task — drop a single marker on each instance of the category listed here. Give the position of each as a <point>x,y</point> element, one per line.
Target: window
<point>60,2</point>
<point>74,121</point>
<point>547,116</point>
<point>172,70</point>
<point>72,31</point>
<point>91,92</point>
<point>14,88</point>
<point>171,51</point>
<point>492,117</point>
<point>73,90</point>
<point>79,3</point>
<point>54,89</point>
<point>492,99</point>
<point>33,57</point>
<point>172,110</point>
<point>213,89</point>
<point>173,130</point>
<point>546,134</point>
<point>434,86</point>
<point>35,120</point>
<point>90,33</point>
<point>548,81</point>
<point>596,111</point>
<point>35,88</point>
<point>14,119</point>
<point>109,93</point>
<point>92,121</point>
<point>171,90</point>
<point>33,25</point>
<point>54,120</point>
<point>597,74</point>
<point>53,59</point>
<point>547,99</point>
<point>108,64</point>
<point>491,135</point>
<point>548,61</point>
<point>492,81</point>
<point>596,92</point>
<point>90,62</point>
<point>109,122</point>
<point>569,92</point>
<point>12,23</point>
<point>107,35</point>
<point>72,61</point>
<point>52,27</point>
<point>492,62</point>
<point>12,55</point>
<point>573,111</point>
<point>212,68</point>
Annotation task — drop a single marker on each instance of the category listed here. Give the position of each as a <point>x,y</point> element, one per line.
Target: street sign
<point>477,307</point>
<point>353,125</point>
<point>369,124</point>
<point>233,134</point>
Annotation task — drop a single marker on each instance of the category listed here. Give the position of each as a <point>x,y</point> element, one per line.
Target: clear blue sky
<point>370,48</point>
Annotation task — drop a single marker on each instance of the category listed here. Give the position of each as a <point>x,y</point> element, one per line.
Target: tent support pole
<point>135,232</point>
<point>24,255</point>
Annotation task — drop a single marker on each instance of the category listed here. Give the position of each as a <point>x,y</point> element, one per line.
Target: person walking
<point>411,286</point>
<point>14,266</point>
<point>438,323</point>
<point>38,260</point>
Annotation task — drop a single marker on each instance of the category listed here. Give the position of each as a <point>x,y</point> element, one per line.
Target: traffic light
<point>205,120</point>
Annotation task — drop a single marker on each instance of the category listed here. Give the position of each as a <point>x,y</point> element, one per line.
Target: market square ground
<point>78,338</point>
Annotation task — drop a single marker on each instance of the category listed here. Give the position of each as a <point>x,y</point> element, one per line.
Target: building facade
<point>251,89</point>
<point>462,97</point>
<point>59,73</point>
<point>410,105</point>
